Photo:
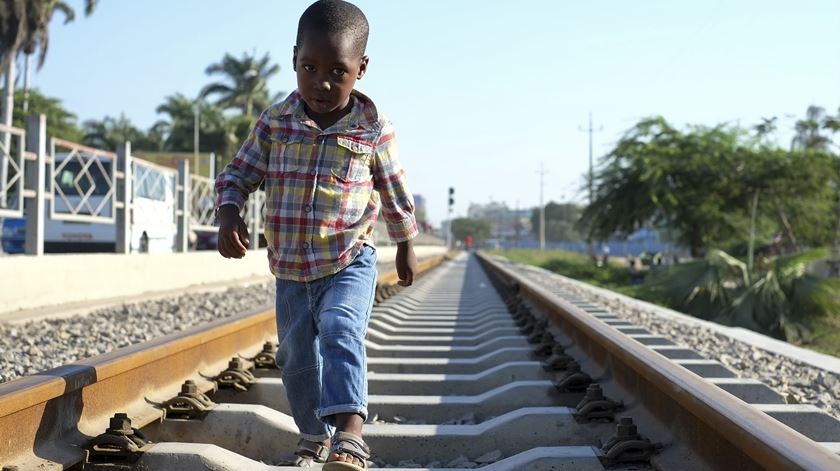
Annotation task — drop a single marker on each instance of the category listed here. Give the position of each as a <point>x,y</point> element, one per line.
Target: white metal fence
<point>68,181</point>
<point>11,172</point>
<point>203,203</point>
<point>157,185</point>
<point>83,183</point>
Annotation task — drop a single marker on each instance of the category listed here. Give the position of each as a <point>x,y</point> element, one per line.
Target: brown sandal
<point>352,445</point>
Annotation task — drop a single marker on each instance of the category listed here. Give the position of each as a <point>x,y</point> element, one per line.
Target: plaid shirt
<point>319,186</point>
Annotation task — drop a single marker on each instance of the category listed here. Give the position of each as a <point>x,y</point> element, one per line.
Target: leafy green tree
<point>246,82</point>
<point>561,221</point>
<point>798,194</point>
<point>659,176</point>
<point>61,123</point>
<point>702,185</point>
<point>797,191</point>
<point>479,229</point>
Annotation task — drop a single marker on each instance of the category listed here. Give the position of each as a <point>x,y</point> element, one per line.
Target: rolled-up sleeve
<point>389,180</point>
<point>244,174</point>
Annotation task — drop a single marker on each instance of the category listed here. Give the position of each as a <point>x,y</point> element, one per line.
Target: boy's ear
<point>294,58</point>
<point>363,67</point>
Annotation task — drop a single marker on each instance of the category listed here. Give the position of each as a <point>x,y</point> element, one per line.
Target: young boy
<point>329,162</point>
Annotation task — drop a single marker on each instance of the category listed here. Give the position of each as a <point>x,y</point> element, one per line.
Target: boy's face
<point>327,68</point>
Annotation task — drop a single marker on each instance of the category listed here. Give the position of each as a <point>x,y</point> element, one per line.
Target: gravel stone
<point>799,383</point>
<point>490,457</point>
<point>462,462</point>
<point>40,345</point>
<point>468,419</point>
<point>409,464</point>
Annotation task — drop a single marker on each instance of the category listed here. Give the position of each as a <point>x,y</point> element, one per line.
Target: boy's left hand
<point>406,263</point>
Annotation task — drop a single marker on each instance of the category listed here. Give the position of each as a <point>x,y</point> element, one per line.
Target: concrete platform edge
<point>45,285</point>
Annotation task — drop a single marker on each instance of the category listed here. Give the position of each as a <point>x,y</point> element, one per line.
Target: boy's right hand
<point>233,238</point>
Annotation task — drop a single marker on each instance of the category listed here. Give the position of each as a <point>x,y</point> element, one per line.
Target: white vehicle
<point>83,188</point>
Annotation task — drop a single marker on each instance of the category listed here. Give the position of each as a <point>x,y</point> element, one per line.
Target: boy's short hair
<point>335,17</point>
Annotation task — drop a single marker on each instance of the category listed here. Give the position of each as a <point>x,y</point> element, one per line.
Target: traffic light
<point>451,196</point>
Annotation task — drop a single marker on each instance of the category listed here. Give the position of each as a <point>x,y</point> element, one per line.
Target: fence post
<point>183,240</point>
<point>34,208</point>
<point>213,165</point>
<point>254,221</point>
<point>124,194</point>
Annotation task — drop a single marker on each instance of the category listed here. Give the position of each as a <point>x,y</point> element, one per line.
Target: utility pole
<point>451,203</point>
<point>517,223</point>
<point>591,130</point>
<point>27,71</point>
<point>542,173</point>
<point>591,178</point>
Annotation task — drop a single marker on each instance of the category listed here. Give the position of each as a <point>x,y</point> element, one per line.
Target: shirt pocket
<point>290,154</point>
<point>353,160</point>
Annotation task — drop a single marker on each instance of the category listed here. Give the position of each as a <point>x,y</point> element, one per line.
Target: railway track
<point>474,366</point>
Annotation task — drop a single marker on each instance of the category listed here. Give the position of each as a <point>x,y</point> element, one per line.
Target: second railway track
<point>475,366</point>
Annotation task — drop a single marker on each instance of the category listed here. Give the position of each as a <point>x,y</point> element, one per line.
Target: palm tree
<point>110,132</point>
<point>808,136</point>
<point>24,27</point>
<point>157,135</point>
<point>39,37</point>
<point>246,86</point>
<point>178,107</point>
<point>215,130</point>
<point>766,128</point>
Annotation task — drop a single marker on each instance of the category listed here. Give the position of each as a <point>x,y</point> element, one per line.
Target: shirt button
<point>285,139</point>
<point>312,172</point>
<point>306,245</point>
<point>307,208</point>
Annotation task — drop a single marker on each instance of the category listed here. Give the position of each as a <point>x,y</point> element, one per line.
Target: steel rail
<point>46,419</point>
<point>726,432</point>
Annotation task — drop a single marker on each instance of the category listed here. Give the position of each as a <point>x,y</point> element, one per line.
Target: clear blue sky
<point>481,91</point>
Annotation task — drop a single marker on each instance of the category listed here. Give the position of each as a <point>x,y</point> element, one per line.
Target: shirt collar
<point>363,115</point>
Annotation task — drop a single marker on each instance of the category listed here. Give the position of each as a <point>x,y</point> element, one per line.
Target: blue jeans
<point>321,326</point>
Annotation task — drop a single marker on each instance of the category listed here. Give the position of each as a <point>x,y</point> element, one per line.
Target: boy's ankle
<point>349,423</point>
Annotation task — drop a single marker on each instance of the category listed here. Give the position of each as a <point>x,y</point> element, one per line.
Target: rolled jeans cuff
<point>324,413</point>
